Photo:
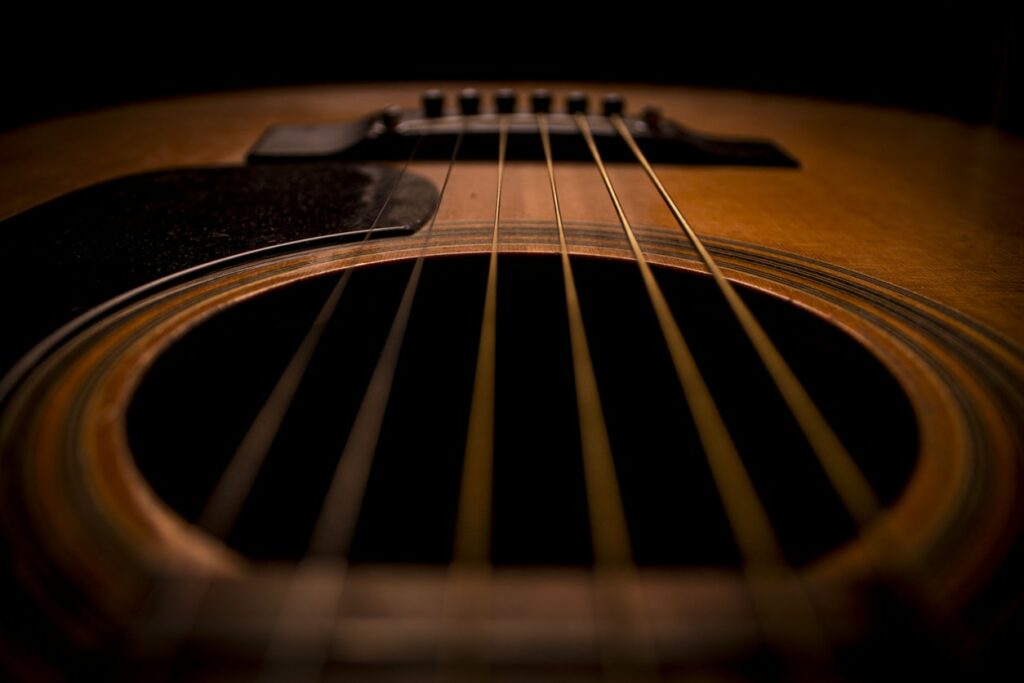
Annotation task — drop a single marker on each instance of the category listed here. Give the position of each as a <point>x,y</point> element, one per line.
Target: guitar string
<point>336,524</point>
<point>335,527</point>
<point>478,548</point>
<point>613,556</point>
<point>473,550</point>
<point>607,516</point>
<point>225,502</point>
<point>853,488</point>
<point>229,494</point>
<point>850,483</point>
<point>764,564</point>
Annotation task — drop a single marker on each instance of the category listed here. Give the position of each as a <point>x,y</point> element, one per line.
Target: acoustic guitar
<point>365,383</point>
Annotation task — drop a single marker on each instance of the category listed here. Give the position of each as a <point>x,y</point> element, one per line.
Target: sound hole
<point>199,397</point>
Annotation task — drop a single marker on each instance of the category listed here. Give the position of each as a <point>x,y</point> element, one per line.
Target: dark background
<point>961,59</point>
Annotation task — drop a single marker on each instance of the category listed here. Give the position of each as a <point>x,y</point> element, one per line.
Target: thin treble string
<point>855,492</point>
<point>613,555</point>
<point>229,494</point>
<point>850,483</point>
<point>335,526</point>
<point>748,519</point>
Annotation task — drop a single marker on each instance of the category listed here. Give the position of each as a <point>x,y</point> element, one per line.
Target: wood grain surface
<point>924,202</point>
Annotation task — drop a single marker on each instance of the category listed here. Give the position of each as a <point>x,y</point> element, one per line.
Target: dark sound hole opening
<point>199,397</point>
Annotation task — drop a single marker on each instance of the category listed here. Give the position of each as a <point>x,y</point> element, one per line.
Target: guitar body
<point>895,245</point>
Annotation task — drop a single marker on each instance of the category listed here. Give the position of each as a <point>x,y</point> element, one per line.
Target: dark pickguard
<point>75,252</point>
